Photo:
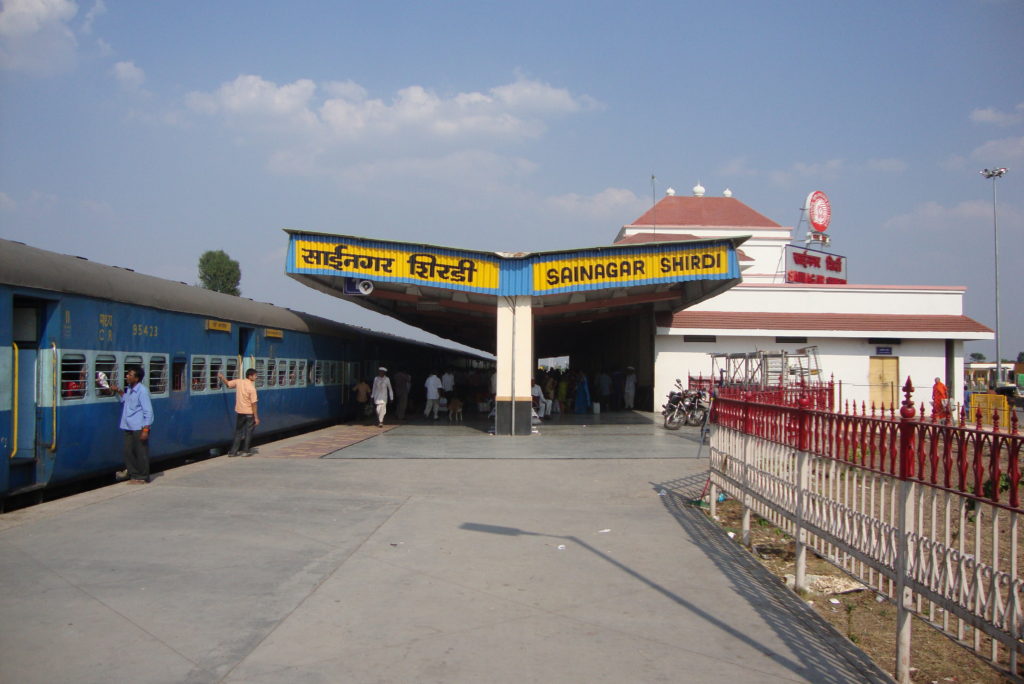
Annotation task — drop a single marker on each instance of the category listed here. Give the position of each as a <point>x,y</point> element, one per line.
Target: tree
<point>1020,357</point>
<point>219,272</point>
<point>977,357</point>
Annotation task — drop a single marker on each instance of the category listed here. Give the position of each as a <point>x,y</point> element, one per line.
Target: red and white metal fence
<point>922,511</point>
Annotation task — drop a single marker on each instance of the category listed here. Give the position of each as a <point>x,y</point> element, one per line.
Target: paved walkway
<point>420,553</point>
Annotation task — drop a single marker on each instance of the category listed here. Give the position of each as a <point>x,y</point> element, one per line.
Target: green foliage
<point>1020,357</point>
<point>977,357</point>
<point>219,272</point>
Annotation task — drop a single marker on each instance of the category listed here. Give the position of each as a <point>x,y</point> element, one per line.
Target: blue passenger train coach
<point>71,327</point>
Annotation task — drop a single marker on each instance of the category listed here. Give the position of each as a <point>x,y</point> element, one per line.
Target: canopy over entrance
<point>454,293</point>
<point>520,306</point>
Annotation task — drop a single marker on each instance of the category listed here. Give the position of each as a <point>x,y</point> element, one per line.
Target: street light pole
<point>994,174</point>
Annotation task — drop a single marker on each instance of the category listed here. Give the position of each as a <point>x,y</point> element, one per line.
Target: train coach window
<point>231,369</point>
<point>271,373</point>
<point>198,374</point>
<point>157,375</point>
<point>130,361</point>
<point>73,376</point>
<point>318,372</point>
<point>216,366</point>
<point>106,374</point>
<point>178,374</point>
<point>282,373</point>
<point>293,370</point>
<point>261,373</point>
<point>305,379</point>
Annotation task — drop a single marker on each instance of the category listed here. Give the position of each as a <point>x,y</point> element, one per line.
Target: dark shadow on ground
<point>823,654</point>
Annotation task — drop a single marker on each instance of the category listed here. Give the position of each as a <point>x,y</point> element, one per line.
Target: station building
<point>693,276</point>
<point>870,338</point>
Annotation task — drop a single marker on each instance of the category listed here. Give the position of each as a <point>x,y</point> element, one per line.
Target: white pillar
<point>515,365</point>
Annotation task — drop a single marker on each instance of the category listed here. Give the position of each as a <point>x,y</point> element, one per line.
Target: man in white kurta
<point>381,394</point>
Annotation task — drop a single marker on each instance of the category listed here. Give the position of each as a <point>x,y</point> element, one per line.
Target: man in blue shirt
<point>136,418</point>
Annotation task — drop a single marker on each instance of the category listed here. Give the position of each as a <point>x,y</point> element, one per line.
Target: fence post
<point>745,461</point>
<point>904,597</point>
<point>803,473</point>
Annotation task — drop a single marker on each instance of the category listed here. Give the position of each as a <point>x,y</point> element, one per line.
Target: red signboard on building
<point>814,266</point>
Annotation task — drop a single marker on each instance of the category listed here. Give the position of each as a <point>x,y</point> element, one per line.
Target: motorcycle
<point>685,407</point>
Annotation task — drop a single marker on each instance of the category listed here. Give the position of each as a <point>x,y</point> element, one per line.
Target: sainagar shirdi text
<point>630,268</point>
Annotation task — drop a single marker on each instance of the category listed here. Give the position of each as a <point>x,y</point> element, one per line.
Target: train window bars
<point>157,375</point>
<point>198,374</point>
<point>231,369</point>
<point>215,369</point>
<point>293,373</point>
<point>261,373</point>
<point>318,372</point>
<point>178,374</point>
<point>282,373</point>
<point>271,373</point>
<point>74,376</point>
<point>106,373</point>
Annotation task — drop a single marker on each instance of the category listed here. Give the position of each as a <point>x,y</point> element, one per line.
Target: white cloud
<point>933,219</point>
<point>998,152</point>
<point>610,203</point>
<point>991,115</point>
<point>337,129</point>
<point>98,8</point>
<point>35,36</point>
<point>129,75</point>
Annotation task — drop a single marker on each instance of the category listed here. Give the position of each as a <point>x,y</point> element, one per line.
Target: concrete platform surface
<point>418,553</point>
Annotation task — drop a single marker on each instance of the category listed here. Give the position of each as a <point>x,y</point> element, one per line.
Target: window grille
<point>231,369</point>
<point>198,373</point>
<point>157,375</point>
<point>106,374</point>
<point>74,376</point>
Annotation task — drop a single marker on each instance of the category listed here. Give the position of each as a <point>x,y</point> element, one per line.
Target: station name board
<point>427,265</point>
<point>813,266</point>
<point>602,270</point>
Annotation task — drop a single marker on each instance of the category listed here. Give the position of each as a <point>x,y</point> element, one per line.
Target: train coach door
<point>25,333</point>
<point>245,348</point>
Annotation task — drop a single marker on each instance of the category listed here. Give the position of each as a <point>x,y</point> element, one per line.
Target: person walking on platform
<point>136,419</point>
<point>382,394</point>
<point>246,414</point>
<point>629,388</point>
<point>403,383</point>
<point>433,385</point>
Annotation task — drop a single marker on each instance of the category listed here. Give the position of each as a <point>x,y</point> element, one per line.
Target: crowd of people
<point>554,391</point>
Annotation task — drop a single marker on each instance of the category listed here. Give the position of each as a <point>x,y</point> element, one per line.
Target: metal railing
<point>924,512</point>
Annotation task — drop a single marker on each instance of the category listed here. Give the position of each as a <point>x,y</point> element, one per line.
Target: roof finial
<point>671,192</point>
<point>698,190</point>
<point>727,193</point>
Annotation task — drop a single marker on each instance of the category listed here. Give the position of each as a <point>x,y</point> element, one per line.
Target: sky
<point>142,134</point>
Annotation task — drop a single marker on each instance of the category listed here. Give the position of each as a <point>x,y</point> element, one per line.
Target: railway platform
<point>422,552</point>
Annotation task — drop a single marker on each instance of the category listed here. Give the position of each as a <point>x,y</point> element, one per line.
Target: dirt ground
<point>866,618</point>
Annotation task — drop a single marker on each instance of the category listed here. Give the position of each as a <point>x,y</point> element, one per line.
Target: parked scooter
<point>685,407</point>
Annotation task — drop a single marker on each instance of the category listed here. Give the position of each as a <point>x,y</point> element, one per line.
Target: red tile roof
<point>703,211</point>
<point>638,238</point>
<point>756,320</point>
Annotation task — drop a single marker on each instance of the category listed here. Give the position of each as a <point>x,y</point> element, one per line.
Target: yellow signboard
<point>220,326</point>
<point>426,265</point>
<point>273,332</point>
<point>603,269</point>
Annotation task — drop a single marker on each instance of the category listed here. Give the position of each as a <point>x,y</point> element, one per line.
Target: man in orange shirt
<point>940,400</point>
<point>246,415</point>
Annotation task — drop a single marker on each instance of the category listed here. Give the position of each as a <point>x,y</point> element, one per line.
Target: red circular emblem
<point>819,211</point>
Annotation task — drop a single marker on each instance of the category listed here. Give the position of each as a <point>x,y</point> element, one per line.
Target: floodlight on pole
<point>994,174</point>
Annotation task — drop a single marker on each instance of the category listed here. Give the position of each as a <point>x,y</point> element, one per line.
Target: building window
<point>884,341</point>
<point>791,340</point>
<point>700,338</point>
